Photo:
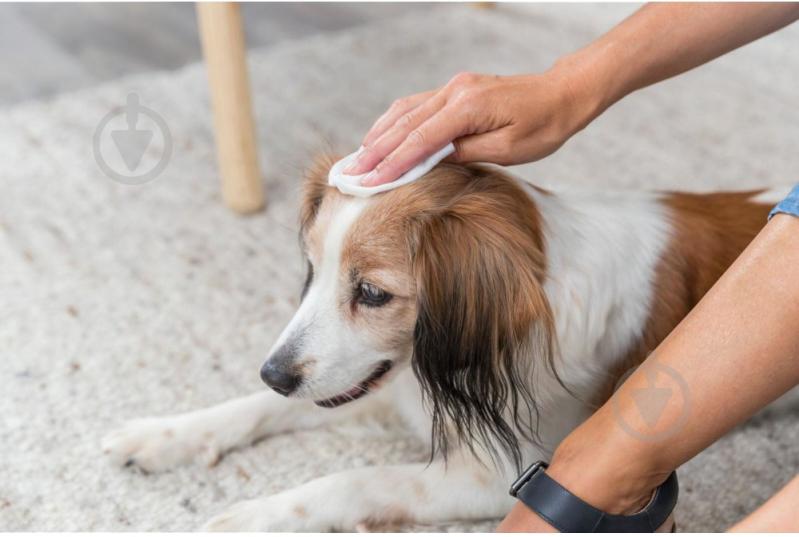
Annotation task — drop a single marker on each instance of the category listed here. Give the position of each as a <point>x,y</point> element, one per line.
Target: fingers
<point>397,109</point>
<point>391,139</point>
<point>417,126</point>
<point>420,143</point>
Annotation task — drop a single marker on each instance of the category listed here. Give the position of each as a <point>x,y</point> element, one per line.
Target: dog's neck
<point>602,250</point>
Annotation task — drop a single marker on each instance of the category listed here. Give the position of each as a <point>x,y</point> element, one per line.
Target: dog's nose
<point>282,380</point>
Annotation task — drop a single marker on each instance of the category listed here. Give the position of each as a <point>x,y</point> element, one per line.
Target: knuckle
<point>417,138</point>
<point>469,102</point>
<point>406,119</point>
<point>399,104</point>
<point>465,96</point>
<point>464,78</point>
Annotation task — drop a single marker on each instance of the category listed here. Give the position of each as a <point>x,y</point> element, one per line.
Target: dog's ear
<point>481,314</point>
<point>314,187</point>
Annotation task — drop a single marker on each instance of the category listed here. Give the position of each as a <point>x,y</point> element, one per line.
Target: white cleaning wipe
<point>351,184</point>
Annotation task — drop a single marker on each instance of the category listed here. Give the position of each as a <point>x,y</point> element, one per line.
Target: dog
<point>493,315</point>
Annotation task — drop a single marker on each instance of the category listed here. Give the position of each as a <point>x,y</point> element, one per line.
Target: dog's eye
<point>371,295</point>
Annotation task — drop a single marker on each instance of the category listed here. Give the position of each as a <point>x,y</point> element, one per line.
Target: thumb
<point>487,147</point>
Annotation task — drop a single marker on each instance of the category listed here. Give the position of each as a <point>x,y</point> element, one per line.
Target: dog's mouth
<point>361,389</point>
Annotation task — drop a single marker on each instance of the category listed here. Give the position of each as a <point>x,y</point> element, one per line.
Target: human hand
<point>499,119</point>
<point>515,119</point>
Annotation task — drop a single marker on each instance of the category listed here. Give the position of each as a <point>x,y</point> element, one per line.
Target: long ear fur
<point>483,318</point>
<point>314,187</point>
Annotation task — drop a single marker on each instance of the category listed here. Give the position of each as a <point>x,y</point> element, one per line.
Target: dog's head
<point>444,275</point>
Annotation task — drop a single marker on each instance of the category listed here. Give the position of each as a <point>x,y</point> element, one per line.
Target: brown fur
<point>459,220</point>
<point>390,520</point>
<point>314,188</point>
<point>463,254</point>
<point>470,238</point>
<point>710,232</point>
<point>466,244</point>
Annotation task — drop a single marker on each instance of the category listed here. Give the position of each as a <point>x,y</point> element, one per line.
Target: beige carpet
<point>122,301</point>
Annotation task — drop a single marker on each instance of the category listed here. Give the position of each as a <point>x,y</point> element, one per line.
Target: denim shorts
<point>789,205</point>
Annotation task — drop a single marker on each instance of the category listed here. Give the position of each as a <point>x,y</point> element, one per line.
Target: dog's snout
<point>279,372</point>
<point>283,381</point>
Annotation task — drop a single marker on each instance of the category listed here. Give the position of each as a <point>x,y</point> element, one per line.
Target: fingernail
<point>369,179</point>
<point>355,163</point>
<point>351,168</point>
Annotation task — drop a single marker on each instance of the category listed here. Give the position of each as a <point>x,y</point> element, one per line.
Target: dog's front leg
<point>374,497</point>
<point>159,443</point>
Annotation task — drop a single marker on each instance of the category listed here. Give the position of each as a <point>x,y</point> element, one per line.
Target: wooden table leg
<point>222,37</point>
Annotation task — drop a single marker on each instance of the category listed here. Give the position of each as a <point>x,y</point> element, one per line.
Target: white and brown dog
<point>491,313</point>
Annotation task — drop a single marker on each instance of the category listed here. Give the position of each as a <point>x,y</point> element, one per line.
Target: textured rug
<point>121,301</point>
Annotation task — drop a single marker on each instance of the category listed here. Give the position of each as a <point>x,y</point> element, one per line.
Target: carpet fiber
<point>122,301</point>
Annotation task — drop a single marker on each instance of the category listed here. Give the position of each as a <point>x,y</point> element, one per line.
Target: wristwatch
<point>569,514</point>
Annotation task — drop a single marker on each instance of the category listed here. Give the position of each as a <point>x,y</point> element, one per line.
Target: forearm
<point>778,514</point>
<point>735,352</point>
<point>660,41</point>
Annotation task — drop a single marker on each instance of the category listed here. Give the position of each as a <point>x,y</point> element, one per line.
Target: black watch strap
<point>569,514</point>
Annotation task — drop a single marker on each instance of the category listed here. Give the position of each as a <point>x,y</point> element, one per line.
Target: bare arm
<point>660,41</point>
<point>778,514</point>
<point>737,351</point>
<point>515,119</point>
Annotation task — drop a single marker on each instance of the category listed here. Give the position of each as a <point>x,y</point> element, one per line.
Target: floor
<point>119,301</point>
<point>49,48</point>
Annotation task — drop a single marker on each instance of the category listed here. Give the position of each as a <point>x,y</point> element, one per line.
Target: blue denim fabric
<point>789,205</point>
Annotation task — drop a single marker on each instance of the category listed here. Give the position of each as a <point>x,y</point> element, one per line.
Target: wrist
<point>594,79</point>
<point>606,470</point>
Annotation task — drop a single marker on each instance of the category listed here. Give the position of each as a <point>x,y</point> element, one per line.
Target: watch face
<point>525,477</point>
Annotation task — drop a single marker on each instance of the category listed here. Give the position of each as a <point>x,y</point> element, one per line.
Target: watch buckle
<point>526,476</point>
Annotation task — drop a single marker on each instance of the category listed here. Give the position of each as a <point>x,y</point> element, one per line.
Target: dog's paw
<point>273,514</point>
<point>157,444</point>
